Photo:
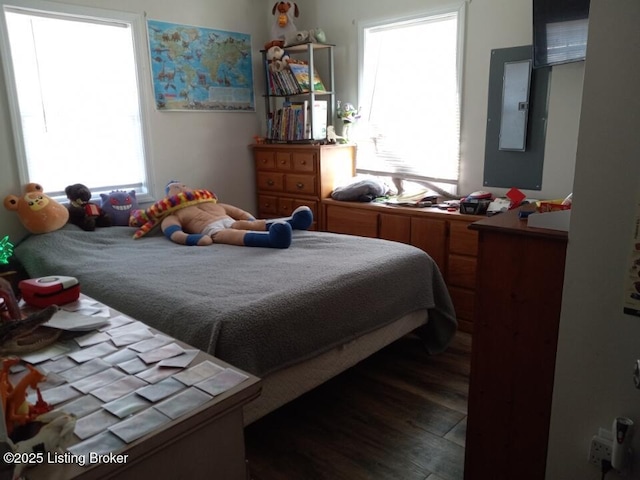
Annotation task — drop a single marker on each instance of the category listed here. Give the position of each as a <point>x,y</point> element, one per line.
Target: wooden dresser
<point>291,175</point>
<point>520,279</point>
<point>443,235</point>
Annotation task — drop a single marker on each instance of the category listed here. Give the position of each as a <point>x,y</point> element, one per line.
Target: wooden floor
<point>400,414</point>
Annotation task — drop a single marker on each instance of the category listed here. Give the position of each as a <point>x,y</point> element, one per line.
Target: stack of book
<point>293,79</point>
<point>294,122</point>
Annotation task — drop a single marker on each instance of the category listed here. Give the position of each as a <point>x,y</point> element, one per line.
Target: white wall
<point>203,149</point>
<point>490,24</point>
<point>598,344</point>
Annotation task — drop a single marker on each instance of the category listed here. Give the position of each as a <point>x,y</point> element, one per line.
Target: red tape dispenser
<point>53,290</point>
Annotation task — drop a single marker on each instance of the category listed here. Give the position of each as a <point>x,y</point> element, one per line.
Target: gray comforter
<point>256,308</point>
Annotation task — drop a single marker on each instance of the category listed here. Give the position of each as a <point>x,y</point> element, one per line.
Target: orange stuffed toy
<point>37,212</point>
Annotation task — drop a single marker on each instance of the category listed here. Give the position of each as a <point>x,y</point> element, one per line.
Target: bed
<point>294,317</point>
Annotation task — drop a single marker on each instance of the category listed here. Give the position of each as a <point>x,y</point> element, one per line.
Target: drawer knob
<point>300,185</point>
<point>270,182</point>
<point>303,162</point>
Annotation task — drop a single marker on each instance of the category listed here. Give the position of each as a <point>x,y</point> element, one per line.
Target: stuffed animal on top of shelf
<point>284,12</point>
<point>315,35</point>
<point>38,212</point>
<point>195,218</point>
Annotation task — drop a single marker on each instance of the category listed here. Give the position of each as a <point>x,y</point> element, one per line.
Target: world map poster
<point>197,68</point>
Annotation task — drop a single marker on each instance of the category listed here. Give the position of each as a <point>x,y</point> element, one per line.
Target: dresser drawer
<point>286,206</point>
<point>464,301</point>
<point>304,162</point>
<point>267,206</point>
<point>270,181</point>
<point>265,160</point>
<point>462,271</point>
<point>283,160</point>
<point>304,184</point>
<point>462,240</point>
<point>351,221</point>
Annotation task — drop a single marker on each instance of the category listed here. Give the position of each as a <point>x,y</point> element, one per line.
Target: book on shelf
<point>293,122</point>
<point>288,123</point>
<point>281,82</point>
<point>300,71</point>
<point>318,117</point>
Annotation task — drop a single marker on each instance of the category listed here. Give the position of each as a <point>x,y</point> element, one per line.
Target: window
<point>75,95</point>
<point>410,98</point>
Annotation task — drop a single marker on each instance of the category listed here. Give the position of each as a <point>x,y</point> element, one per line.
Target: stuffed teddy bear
<point>284,12</point>
<point>82,212</point>
<point>37,212</point>
<point>194,217</point>
<point>277,59</point>
<point>119,205</point>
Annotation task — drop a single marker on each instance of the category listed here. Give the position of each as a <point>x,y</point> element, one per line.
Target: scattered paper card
<point>88,384</point>
<point>120,356</point>
<point>115,322</point>
<point>146,345</point>
<point>139,425</point>
<point>57,366</point>
<point>56,395</point>
<point>156,373</point>
<point>130,327</point>
<point>94,423</point>
<point>183,402</point>
<point>84,370</point>
<point>44,354</point>
<point>131,337</point>
<point>181,361</point>
<point>133,366</point>
<point>99,350</point>
<point>52,380</point>
<point>160,390</point>
<point>118,389</point>
<point>157,354</point>
<point>101,444</point>
<point>127,405</point>
<point>198,373</point>
<point>82,406</point>
<point>222,382</point>
<point>92,338</point>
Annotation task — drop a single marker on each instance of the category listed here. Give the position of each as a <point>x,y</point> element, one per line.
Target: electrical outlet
<point>599,450</point>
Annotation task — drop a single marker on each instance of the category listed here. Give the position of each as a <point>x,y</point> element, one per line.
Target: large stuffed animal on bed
<point>194,217</point>
<point>37,212</point>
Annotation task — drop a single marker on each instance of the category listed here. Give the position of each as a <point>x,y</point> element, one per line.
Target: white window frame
<point>138,30</point>
<point>446,187</point>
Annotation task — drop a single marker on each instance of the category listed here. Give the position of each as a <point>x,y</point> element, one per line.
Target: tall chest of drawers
<point>292,175</point>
